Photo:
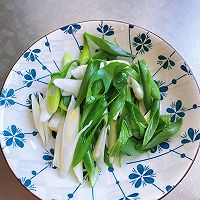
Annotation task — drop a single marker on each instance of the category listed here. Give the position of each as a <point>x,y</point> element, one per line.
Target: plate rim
<point>6,74</point>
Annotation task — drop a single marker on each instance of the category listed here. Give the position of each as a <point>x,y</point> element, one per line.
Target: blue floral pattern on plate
<point>142,42</point>
<point>105,29</point>
<point>143,175</point>
<point>6,97</point>
<point>132,181</point>
<point>14,137</point>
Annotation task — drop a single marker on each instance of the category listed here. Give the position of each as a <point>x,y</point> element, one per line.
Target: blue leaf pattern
<point>36,51</point>
<point>9,141</point>
<point>191,135</point>
<point>29,77</point>
<point>31,55</point>
<point>105,29</point>
<point>48,157</point>
<point>71,29</point>
<point>165,62</point>
<point>186,69</point>
<point>27,183</point>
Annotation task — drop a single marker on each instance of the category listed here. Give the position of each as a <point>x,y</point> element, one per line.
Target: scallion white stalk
<point>98,152</point>
<point>55,120</point>
<point>36,117</point>
<point>79,71</point>
<point>70,86</point>
<point>45,115</point>
<point>142,107</point>
<point>45,127</point>
<point>70,136</point>
<point>58,144</point>
<point>78,171</point>
<point>137,89</point>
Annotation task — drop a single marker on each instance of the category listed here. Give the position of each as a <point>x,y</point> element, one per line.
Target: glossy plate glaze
<point>146,177</point>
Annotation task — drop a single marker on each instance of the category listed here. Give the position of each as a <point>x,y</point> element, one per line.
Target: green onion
<point>130,148</point>
<point>92,170</point>
<point>79,72</point>
<point>107,46</point>
<point>96,97</point>
<point>85,54</point>
<point>168,132</point>
<point>66,59</point>
<point>64,103</point>
<point>121,141</point>
<point>146,79</point>
<point>69,86</point>
<point>53,98</point>
<point>55,120</point>
<point>103,55</point>
<point>92,67</point>
<point>83,147</point>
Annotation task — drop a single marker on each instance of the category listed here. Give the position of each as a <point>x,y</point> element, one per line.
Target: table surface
<point>22,22</point>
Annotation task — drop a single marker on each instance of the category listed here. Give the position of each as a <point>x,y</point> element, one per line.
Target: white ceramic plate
<point>144,177</point>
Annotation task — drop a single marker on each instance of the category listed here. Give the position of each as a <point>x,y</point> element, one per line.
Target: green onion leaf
<point>121,141</point>
<point>85,54</point>
<point>167,132</point>
<point>107,46</point>
<point>92,67</point>
<point>146,80</point>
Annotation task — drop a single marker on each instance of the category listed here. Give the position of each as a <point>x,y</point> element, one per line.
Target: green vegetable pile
<point>119,106</point>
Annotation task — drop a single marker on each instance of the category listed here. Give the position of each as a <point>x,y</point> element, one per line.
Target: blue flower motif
<point>105,29</point>
<point>6,97</point>
<point>191,136</point>
<point>163,89</point>
<point>142,43</point>
<point>71,29</point>
<point>48,157</point>
<point>160,147</point>
<point>165,63</point>
<point>13,136</point>
<point>176,110</point>
<point>27,183</point>
<point>29,77</point>
<point>31,55</point>
<point>134,196</point>
<point>142,175</point>
<point>186,69</point>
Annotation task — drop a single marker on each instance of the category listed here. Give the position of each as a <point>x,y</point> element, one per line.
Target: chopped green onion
<point>167,132</point>
<point>107,46</point>
<point>53,98</point>
<point>55,120</point>
<point>70,86</point>
<point>85,54</point>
